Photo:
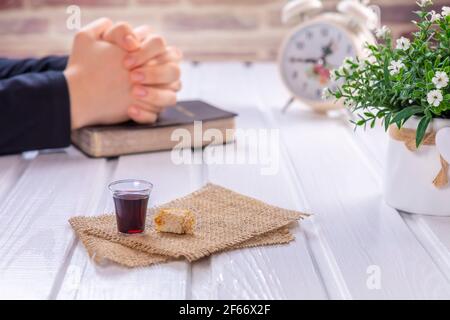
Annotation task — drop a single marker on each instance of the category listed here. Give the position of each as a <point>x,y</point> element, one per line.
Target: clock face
<point>310,55</point>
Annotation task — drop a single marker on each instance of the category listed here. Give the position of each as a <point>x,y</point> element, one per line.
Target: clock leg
<point>288,104</point>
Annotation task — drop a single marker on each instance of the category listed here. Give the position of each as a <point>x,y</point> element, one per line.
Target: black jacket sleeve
<point>34,109</point>
<point>13,67</point>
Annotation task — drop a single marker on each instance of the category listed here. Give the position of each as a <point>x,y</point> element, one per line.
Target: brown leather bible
<point>130,137</point>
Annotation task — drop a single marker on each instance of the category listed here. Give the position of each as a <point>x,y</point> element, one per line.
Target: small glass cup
<point>131,200</point>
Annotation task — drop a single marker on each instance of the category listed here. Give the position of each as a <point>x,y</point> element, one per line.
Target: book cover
<point>131,137</point>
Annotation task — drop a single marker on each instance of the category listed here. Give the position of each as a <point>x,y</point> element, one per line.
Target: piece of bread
<point>174,220</point>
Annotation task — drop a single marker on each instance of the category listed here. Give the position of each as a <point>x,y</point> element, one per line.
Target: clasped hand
<point>116,73</point>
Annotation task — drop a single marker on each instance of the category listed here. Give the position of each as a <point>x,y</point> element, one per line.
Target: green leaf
<point>406,113</point>
<point>395,98</point>
<point>430,75</point>
<point>386,71</point>
<point>417,93</point>
<point>387,121</point>
<point>360,122</point>
<point>438,60</point>
<point>421,129</point>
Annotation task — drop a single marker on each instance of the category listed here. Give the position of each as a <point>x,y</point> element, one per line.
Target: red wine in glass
<point>131,200</point>
<point>131,210</point>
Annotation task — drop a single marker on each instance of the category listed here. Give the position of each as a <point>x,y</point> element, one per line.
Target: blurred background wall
<point>205,29</point>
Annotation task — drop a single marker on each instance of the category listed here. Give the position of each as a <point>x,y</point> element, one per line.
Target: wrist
<point>78,117</point>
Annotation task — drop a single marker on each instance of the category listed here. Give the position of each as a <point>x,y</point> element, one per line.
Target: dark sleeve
<point>34,112</point>
<point>13,67</point>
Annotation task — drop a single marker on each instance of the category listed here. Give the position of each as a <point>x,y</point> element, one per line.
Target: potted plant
<point>405,86</point>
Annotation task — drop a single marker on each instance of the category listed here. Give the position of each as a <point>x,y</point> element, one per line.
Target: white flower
<point>403,43</point>
<point>349,103</point>
<point>382,32</point>
<point>434,97</point>
<point>434,16</point>
<point>395,67</point>
<point>440,79</point>
<point>445,11</point>
<point>371,60</point>
<point>366,51</point>
<point>424,3</point>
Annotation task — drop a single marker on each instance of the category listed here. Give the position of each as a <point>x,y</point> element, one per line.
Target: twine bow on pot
<point>408,136</point>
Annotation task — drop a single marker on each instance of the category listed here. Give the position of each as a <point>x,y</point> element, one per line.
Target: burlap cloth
<point>224,220</point>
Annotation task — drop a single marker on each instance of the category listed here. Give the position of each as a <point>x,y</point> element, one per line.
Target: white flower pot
<point>409,175</point>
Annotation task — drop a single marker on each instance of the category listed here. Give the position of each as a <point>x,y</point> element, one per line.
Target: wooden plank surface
<point>35,238</point>
<point>324,168</point>
<point>432,232</point>
<point>273,272</point>
<point>108,281</point>
<point>86,280</point>
<point>11,168</point>
<point>360,229</point>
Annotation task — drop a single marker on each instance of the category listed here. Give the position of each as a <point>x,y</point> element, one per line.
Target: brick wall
<point>204,29</point>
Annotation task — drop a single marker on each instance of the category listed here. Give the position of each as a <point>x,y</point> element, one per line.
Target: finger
<point>141,105</point>
<point>143,31</point>
<point>144,105</point>
<point>141,116</point>
<point>122,35</point>
<point>154,75</point>
<point>174,86</point>
<point>159,98</point>
<point>172,54</point>
<point>147,107</point>
<point>96,28</point>
<point>151,47</point>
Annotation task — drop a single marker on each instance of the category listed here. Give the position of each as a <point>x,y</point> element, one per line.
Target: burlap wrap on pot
<point>224,220</point>
<point>408,136</point>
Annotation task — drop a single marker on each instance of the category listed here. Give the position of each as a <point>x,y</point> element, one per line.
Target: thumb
<point>121,34</point>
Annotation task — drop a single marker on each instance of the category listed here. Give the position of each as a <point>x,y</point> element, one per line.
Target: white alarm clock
<point>319,44</point>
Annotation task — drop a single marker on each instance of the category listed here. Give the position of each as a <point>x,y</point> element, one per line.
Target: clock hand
<point>326,51</point>
<point>301,60</point>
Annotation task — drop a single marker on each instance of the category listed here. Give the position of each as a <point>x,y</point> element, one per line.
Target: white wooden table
<point>325,168</point>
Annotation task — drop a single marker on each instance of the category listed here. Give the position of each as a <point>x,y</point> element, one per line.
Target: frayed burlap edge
<point>100,251</point>
<point>129,252</point>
